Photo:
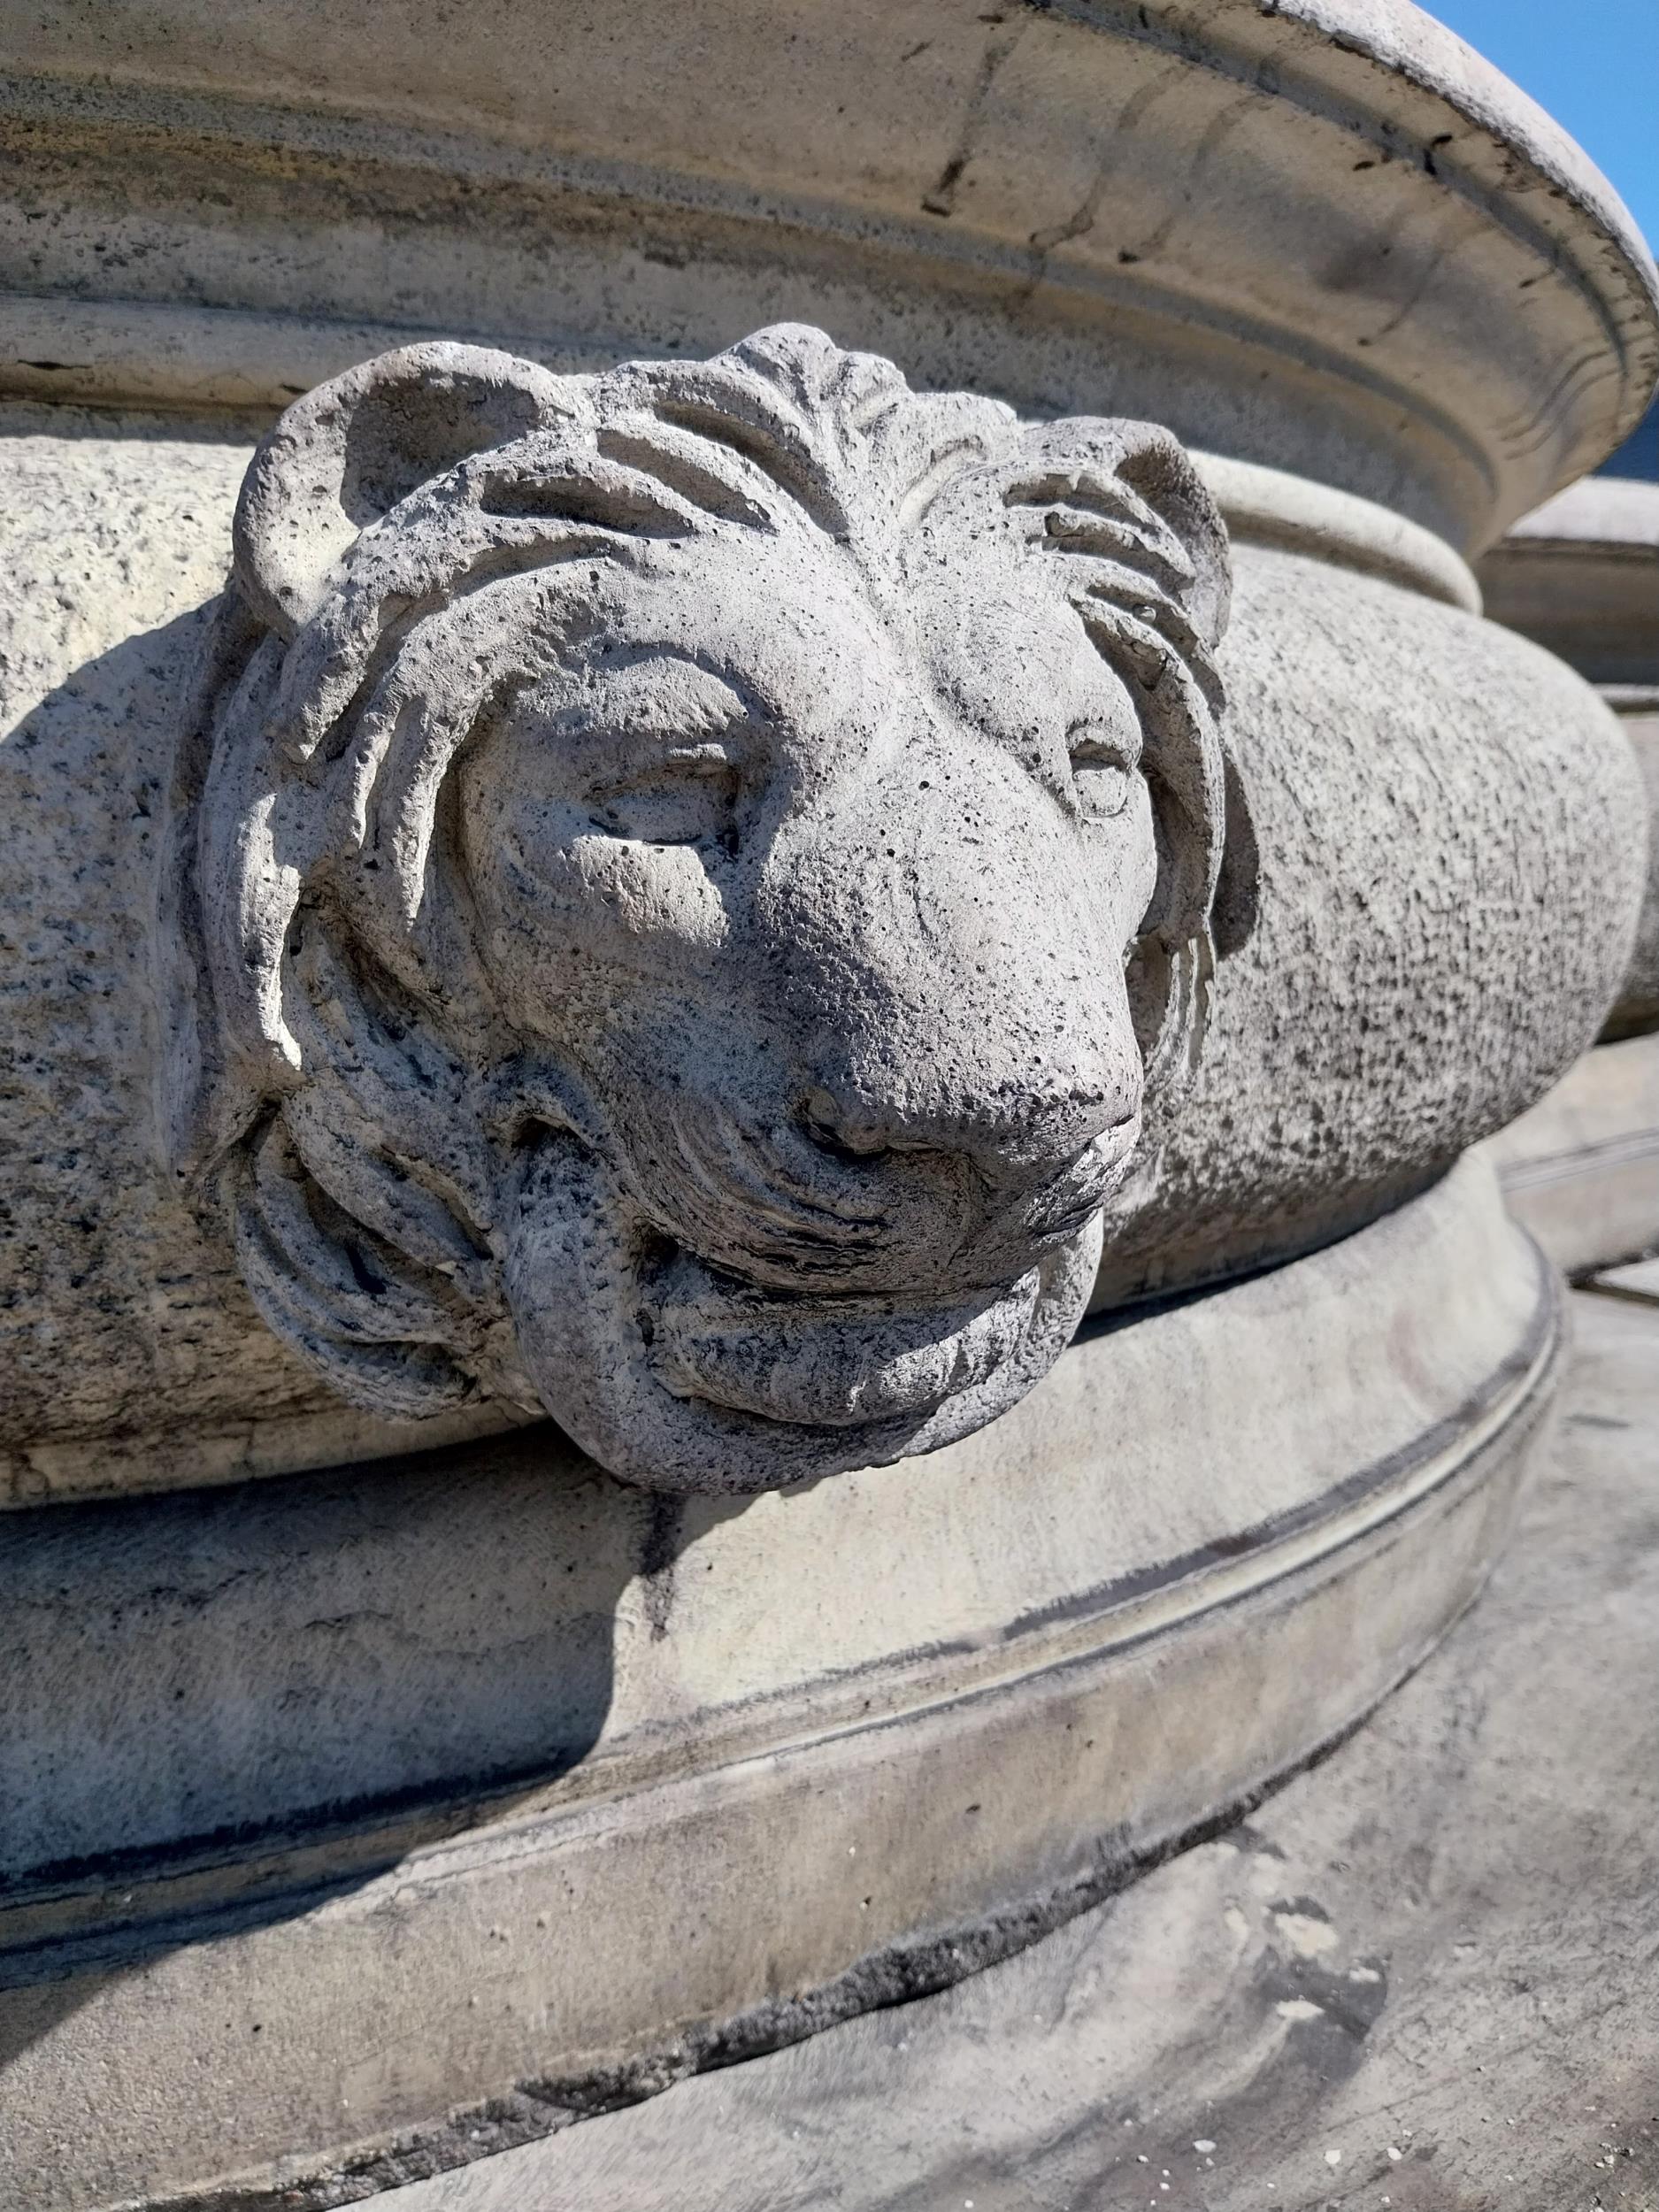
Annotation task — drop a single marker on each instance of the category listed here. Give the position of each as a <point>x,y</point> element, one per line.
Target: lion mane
<point>412,545</point>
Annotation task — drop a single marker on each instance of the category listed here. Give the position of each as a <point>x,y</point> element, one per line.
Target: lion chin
<point>669,1371</point>
<point>828,1363</point>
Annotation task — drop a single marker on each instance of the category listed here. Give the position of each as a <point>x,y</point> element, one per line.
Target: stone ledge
<point>1410,1977</point>
<point>540,1945</point>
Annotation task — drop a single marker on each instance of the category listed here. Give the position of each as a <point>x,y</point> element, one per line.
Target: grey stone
<point>1581,576</point>
<point>1450,848</point>
<point>1426,1956</point>
<point>367,1819</point>
<point>373,1817</point>
<point>119,1321</point>
<point>680,877</point>
<point>1454,971</point>
<point>1581,1170</point>
<point>1232,218</point>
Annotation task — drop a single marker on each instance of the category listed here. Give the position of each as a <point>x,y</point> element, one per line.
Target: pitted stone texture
<point>682,886</point>
<point>1321,234</point>
<point>116,1317</point>
<point>134,1359</point>
<point>100,618</point>
<point>1451,843</point>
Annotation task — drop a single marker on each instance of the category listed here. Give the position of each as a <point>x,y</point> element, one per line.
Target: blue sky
<point>1595,64</point>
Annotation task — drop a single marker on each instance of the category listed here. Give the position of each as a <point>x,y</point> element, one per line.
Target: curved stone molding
<point>1636,1010</point>
<point>677,879</point>
<point>1322,235</point>
<point>1581,576</point>
<point>637,854</point>
<point>522,1856</point>
<point>1581,1169</point>
<point>1271,507</point>
<point>1438,935</point>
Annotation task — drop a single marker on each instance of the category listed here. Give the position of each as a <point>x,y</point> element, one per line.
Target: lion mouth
<point>827,1363</point>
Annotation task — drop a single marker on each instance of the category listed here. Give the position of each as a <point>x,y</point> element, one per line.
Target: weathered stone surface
<point>117,1317</point>
<point>487,1786</point>
<point>1428,793</point>
<point>218,207</point>
<point>683,886</point>
<point>374,1817</point>
<point>1323,235</point>
<point>1418,1975</point>
<point>1636,1010</point>
<point>1443,858</point>
<point>1581,577</point>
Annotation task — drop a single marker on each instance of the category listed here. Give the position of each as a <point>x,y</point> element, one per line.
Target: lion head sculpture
<point>693,871</point>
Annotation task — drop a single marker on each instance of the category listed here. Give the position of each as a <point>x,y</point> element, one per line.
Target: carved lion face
<point>693,864</point>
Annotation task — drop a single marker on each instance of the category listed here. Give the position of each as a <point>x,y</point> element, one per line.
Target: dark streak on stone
<point>658,1553</point>
<point>916,1966</point>
<point>943,199</point>
<point>1351,2009</point>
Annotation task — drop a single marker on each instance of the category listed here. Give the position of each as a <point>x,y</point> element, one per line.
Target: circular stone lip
<point>562,1948</point>
<point>1320,234</point>
<point>1610,512</point>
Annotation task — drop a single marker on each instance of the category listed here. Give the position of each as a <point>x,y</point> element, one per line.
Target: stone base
<point>1581,1170</point>
<point>1421,1977</point>
<point>545,1794</point>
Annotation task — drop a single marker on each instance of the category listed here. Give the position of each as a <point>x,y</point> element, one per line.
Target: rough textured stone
<point>1323,235</point>
<point>1419,1974</point>
<point>1450,846</point>
<point>403,1811</point>
<point>113,1305</point>
<point>1446,853</point>
<point>680,875</point>
<point>374,1817</point>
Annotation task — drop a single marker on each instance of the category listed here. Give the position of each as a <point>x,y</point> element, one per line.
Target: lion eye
<point>1103,773</point>
<point>686,796</point>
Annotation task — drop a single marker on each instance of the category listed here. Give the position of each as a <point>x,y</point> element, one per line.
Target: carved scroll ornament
<point>687,876</point>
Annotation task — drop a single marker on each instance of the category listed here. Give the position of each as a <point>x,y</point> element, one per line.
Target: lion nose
<point>840,1126</point>
<point>1027,1135</point>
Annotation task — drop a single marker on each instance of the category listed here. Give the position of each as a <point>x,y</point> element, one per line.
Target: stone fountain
<point>765,869</point>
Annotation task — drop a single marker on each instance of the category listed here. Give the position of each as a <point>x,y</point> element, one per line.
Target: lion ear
<point>1156,468</point>
<point>339,458</point>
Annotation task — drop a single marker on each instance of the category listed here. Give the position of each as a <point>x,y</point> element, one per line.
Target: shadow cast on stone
<point>227,1704</point>
<point>223,1704</point>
